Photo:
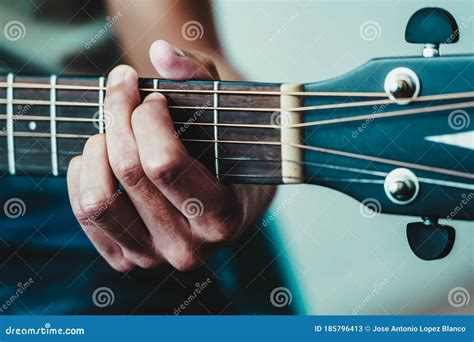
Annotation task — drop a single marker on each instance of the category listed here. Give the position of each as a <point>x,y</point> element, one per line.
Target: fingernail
<point>179,52</point>
<point>118,74</point>
<point>153,97</point>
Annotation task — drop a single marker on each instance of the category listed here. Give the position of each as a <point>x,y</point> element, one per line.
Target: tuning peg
<point>430,240</point>
<point>432,26</point>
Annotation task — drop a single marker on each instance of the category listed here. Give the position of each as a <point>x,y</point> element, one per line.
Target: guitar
<point>395,134</point>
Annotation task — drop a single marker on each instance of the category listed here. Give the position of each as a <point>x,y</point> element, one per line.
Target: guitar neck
<point>231,127</point>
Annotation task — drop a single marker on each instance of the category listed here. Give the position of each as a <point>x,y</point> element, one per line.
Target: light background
<point>342,262</point>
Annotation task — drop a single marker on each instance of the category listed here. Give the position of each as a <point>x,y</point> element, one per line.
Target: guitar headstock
<point>403,141</point>
<point>426,142</point>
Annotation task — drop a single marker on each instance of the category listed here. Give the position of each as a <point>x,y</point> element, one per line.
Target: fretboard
<point>231,127</point>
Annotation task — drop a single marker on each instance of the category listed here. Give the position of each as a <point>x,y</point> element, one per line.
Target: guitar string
<point>426,168</point>
<point>384,174</point>
<point>199,91</point>
<point>395,113</point>
<point>346,154</point>
<point>235,92</point>
<point>441,182</point>
<point>370,116</point>
<point>450,96</point>
<point>335,167</point>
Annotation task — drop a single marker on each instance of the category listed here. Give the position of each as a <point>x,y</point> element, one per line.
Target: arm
<point>142,22</point>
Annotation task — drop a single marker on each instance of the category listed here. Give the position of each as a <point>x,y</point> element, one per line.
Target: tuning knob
<point>432,26</point>
<point>430,240</point>
<point>402,85</point>
<point>401,186</point>
<point>401,189</point>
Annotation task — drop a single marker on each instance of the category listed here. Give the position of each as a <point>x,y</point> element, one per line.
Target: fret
<point>10,140</point>
<point>54,128</point>
<point>90,93</point>
<point>52,110</point>
<point>216,133</point>
<point>40,123</point>
<point>101,104</point>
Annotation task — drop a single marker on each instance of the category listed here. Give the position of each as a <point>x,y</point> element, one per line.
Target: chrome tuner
<point>402,85</point>
<point>401,186</point>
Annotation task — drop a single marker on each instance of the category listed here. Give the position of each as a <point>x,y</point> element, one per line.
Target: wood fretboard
<point>46,121</point>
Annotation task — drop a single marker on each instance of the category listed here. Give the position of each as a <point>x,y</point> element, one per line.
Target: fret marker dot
<point>32,125</point>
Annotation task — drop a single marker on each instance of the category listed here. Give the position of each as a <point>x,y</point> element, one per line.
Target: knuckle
<point>115,258</point>
<point>147,262</point>
<point>80,216</point>
<point>183,257</point>
<point>226,224</point>
<point>93,204</point>
<point>144,259</point>
<point>222,234</point>
<point>128,170</point>
<point>164,169</point>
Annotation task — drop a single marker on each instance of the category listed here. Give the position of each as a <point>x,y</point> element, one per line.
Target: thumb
<point>175,64</point>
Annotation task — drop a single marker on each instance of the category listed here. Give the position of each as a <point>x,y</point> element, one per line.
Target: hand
<point>152,220</point>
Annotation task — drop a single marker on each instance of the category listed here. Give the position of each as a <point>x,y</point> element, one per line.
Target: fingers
<point>175,64</point>
<point>109,208</point>
<point>168,228</point>
<point>150,221</point>
<point>172,170</point>
<point>178,176</point>
<point>104,244</point>
<point>121,99</point>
